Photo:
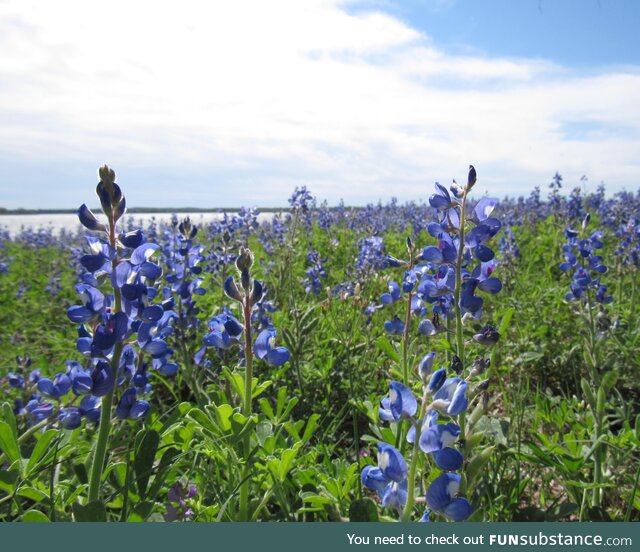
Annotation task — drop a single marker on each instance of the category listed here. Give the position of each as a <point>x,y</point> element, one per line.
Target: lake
<point>14,223</point>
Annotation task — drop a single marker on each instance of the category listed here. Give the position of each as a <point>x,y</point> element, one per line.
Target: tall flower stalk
<point>108,324</point>
<point>226,329</point>
<point>446,281</point>
<point>113,205</point>
<point>586,266</point>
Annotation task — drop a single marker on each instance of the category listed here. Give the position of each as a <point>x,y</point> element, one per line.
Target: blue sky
<point>224,104</point>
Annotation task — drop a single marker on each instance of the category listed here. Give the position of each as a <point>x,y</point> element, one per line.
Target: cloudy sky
<point>220,103</point>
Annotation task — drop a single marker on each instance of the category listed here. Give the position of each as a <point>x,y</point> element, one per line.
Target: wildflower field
<point>460,358</point>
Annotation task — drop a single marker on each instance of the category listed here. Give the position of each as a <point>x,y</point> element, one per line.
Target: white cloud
<point>274,94</point>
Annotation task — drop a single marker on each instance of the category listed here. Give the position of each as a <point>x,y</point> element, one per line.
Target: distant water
<point>57,222</point>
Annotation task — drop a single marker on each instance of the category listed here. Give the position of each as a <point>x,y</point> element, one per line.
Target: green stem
<point>456,299</point>
<point>100,450</point>
<point>458,288</point>
<point>405,343</point>
<point>411,478</point>
<point>248,392</point>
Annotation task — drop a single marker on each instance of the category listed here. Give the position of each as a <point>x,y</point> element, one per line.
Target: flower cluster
<point>225,329</point>
<point>183,259</point>
<point>315,273</point>
<point>584,264</point>
<point>434,281</point>
<point>121,334</point>
<point>628,250</point>
<point>447,278</point>
<point>442,398</point>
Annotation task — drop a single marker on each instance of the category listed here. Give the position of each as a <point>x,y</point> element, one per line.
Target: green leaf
<point>259,388</point>
<point>41,448</point>
<point>363,510</point>
<point>312,425</point>
<point>33,494</point>
<point>478,462</point>
<point>609,380</point>
<point>166,463</point>
<point>9,442</point>
<point>8,480</point>
<point>266,408</point>
<point>386,347</point>
<point>8,416</point>
<point>263,431</point>
<point>506,320</point>
<point>81,473</point>
<point>588,393</point>
<point>94,511</point>
<point>35,516</point>
<point>600,402</point>
<point>203,421</point>
<point>147,442</point>
<point>280,468</point>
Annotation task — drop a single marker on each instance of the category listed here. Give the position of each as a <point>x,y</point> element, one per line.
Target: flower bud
<point>471,179</point>
<point>437,380</point>
<point>244,261</point>
<point>488,336</point>
<point>89,220</point>
<point>426,366</point>
<point>456,364</point>
<point>231,289</point>
<point>257,292</point>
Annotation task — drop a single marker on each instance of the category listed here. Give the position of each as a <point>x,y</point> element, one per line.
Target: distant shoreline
<point>138,210</point>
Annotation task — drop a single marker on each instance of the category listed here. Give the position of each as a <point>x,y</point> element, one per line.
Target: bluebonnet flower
<point>437,440</point>
<point>97,381</point>
<point>628,250</point>
<point>442,497</point>
<point>436,381</point>
<point>127,314</point>
<point>55,389</point>
<point>224,330</point>
<point>389,478</point>
<point>426,366</point>
<point>401,403</point>
<point>508,246</point>
<point>260,317</point>
<point>451,398</point>
<point>487,336</point>
<point>394,326</point>
<point>301,200</point>
<point>90,408</point>
<point>129,407</point>
<point>587,267</point>
<point>69,418</point>
<point>15,380</point>
<point>393,295</point>
<point>265,350</point>
<point>315,273</point>
<point>371,256</point>
<point>38,411</point>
